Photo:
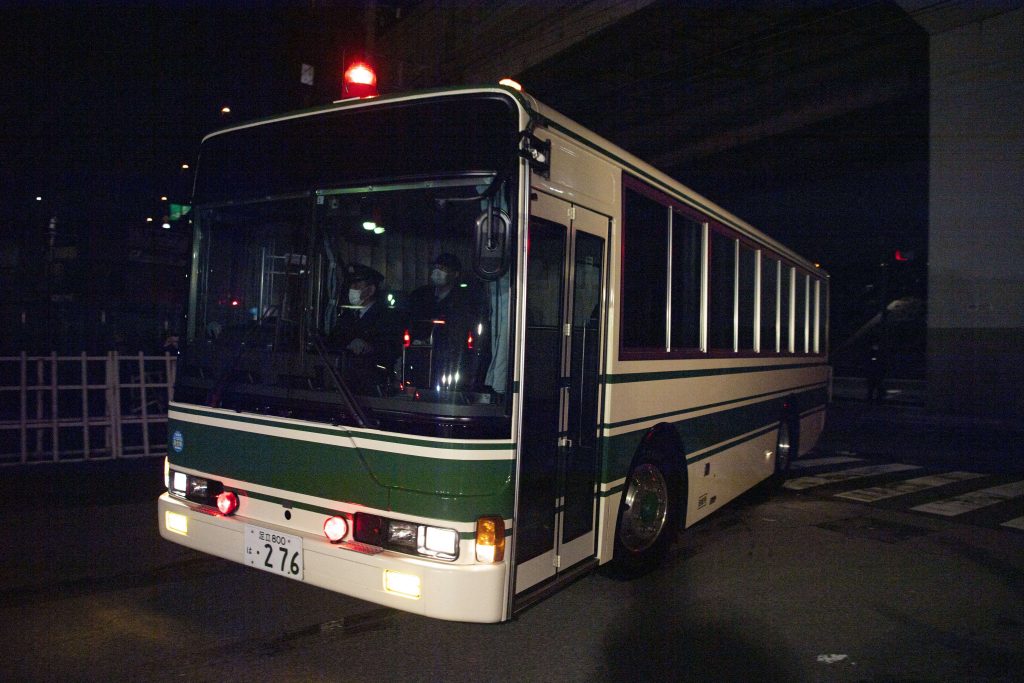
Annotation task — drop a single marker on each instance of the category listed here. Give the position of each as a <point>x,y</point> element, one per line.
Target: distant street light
<point>184,167</point>
<point>225,110</point>
<point>39,199</point>
<point>163,198</point>
<point>149,219</point>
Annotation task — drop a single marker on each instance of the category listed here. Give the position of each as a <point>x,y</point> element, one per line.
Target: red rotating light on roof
<point>359,80</point>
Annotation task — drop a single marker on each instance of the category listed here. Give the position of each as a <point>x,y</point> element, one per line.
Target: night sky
<point>100,107</point>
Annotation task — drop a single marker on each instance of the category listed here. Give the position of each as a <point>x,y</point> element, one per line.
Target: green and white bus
<point>617,358</point>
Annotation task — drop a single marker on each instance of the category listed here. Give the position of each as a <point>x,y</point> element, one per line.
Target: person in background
<point>874,371</point>
<point>170,345</point>
<point>435,301</point>
<point>448,312</point>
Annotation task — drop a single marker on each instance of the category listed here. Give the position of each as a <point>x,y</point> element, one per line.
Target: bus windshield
<point>351,306</point>
<point>343,291</point>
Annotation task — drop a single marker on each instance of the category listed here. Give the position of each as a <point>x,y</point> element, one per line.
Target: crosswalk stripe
<point>821,462</point>
<point>1015,523</point>
<point>801,483</point>
<point>902,488</point>
<point>974,500</point>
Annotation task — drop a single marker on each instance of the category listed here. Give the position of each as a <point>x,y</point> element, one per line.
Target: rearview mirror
<point>490,248</point>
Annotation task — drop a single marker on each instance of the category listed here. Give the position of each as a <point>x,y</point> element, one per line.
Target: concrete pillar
<point>976,225</point>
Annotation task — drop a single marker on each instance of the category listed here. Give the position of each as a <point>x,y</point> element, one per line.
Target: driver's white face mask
<point>438,277</point>
<point>355,296</point>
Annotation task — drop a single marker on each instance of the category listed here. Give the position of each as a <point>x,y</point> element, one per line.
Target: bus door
<point>557,483</point>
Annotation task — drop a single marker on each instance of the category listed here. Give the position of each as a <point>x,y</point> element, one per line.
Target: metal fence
<point>74,408</point>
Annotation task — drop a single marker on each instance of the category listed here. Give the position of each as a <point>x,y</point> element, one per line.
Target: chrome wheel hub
<point>645,508</point>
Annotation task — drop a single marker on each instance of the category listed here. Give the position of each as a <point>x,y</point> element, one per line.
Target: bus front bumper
<point>457,592</point>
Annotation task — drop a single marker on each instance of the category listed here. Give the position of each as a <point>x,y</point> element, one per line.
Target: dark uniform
<point>456,325</point>
<point>367,334</point>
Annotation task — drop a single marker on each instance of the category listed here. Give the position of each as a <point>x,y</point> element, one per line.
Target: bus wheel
<point>785,451</point>
<point>646,518</point>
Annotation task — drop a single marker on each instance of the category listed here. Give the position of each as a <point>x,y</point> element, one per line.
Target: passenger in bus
<point>365,331</point>
<point>451,316</point>
<point>435,301</point>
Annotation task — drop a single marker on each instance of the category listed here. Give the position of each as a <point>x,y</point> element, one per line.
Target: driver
<point>364,331</point>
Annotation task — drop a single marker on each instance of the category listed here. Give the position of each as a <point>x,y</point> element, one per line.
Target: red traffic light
<point>903,255</point>
<point>359,80</point>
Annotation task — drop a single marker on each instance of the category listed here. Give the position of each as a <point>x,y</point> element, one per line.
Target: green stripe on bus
<point>696,409</point>
<point>730,444</point>
<point>455,508</point>
<point>445,445</point>
<point>707,454</point>
<point>291,504</point>
<point>712,431</point>
<point>312,428</point>
<point>457,490</point>
<point>613,490</point>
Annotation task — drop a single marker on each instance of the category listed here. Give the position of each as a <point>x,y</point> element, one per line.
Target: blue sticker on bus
<point>177,442</point>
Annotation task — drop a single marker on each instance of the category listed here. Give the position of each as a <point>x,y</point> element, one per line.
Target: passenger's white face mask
<point>355,296</point>
<point>438,277</point>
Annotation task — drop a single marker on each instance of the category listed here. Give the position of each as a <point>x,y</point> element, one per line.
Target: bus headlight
<point>401,535</point>
<point>193,488</point>
<point>435,542</point>
<point>408,537</point>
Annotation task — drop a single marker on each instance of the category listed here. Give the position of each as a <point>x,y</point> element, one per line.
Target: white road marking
<point>902,488</point>
<point>1015,523</point>
<point>974,500</point>
<point>801,483</point>
<point>820,462</point>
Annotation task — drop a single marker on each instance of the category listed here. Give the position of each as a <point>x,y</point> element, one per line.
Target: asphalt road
<point>805,585</point>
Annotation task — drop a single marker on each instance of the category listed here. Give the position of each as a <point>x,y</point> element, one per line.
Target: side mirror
<point>490,248</point>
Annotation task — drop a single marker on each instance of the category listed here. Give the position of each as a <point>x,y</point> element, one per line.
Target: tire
<point>648,514</point>
<point>786,449</point>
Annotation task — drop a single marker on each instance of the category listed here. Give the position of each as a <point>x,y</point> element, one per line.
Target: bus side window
<point>722,291</point>
<point>644,273</point>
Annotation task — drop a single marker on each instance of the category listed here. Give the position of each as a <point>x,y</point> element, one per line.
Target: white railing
<point>74,408</point>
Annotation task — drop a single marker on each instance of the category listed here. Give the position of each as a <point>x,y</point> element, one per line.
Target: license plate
<point>273,551</point>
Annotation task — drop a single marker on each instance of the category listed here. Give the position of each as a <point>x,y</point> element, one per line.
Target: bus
<point>572,356</point>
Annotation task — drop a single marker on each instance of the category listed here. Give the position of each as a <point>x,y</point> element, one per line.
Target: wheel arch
<point>664,440</point>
